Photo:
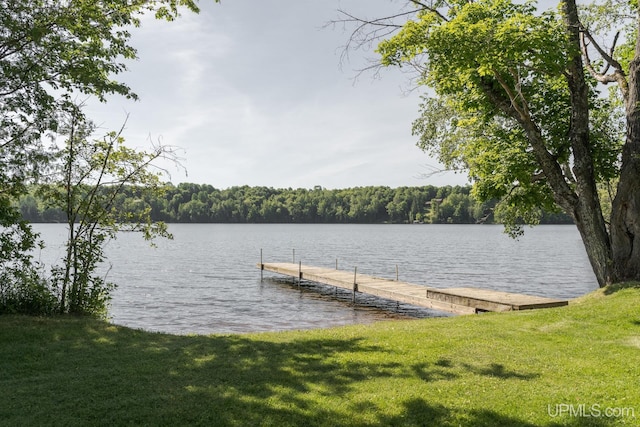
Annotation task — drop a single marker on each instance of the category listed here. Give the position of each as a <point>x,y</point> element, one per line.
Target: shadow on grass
<point>444,369</point>
<point>78,372</point>
<point>616,287</point>
<point>95,374</point>
<point>499,371</point>
<point>418,412</point>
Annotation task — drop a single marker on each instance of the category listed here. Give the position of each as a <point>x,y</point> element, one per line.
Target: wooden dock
<point>454,300</point>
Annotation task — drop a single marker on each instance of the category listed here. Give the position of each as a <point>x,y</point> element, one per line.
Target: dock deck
<point>454,300</point>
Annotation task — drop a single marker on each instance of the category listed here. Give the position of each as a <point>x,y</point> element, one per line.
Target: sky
<point>255,93</point>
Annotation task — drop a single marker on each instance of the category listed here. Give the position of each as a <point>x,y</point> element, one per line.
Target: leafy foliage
<point>22,289</point>
<point>496,44</point>
<point>52,52</point>
<point>86,178</point>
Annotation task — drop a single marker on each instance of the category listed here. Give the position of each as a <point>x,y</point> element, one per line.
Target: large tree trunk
<point>596,242</point>
<point>625,214</point>
<point>585,209</point>
<point>625,223</point>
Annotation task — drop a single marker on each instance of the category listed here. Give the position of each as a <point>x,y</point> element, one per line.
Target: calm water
<point>206,280</point>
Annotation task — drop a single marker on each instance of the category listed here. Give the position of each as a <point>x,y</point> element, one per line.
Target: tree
<point>50,53</point>
<point>88,176</point>
<point>513,99</point>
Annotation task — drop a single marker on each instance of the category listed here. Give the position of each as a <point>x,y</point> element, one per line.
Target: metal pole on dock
<point>299,273</point>
<point>355,284</point>
<point>396,272</point>
<point>336,263</point>
<point>261,265</point>
<point>294,256</point>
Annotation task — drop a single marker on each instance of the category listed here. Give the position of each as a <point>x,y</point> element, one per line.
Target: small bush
<point>26,291</point>
<point>86,294</point>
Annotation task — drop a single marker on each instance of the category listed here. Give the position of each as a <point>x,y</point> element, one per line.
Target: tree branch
<point>423,6</point>
<point>618,76</point>
<point>563,194</point>
<point>522,110</point>
<point>368,31</point>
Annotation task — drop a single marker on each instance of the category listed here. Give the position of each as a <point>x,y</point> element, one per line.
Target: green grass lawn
<point>574,366</point>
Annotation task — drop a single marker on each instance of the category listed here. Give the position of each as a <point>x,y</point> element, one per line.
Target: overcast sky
<point>254,93</point>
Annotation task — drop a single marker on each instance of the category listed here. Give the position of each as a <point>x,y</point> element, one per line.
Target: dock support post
<point>294,256</point>
<point>355,284</point>
<point>261,265</point>
<point>335,289</point>
<point>396,272</point>
<point>299,273</point>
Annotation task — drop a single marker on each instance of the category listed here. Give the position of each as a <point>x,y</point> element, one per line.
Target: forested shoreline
<point>201,203</point>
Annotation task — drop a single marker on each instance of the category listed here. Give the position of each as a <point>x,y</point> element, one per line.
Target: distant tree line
<point>195,203</point>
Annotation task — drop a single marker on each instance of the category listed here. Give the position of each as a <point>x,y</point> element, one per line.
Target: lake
<point>206,281</point>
